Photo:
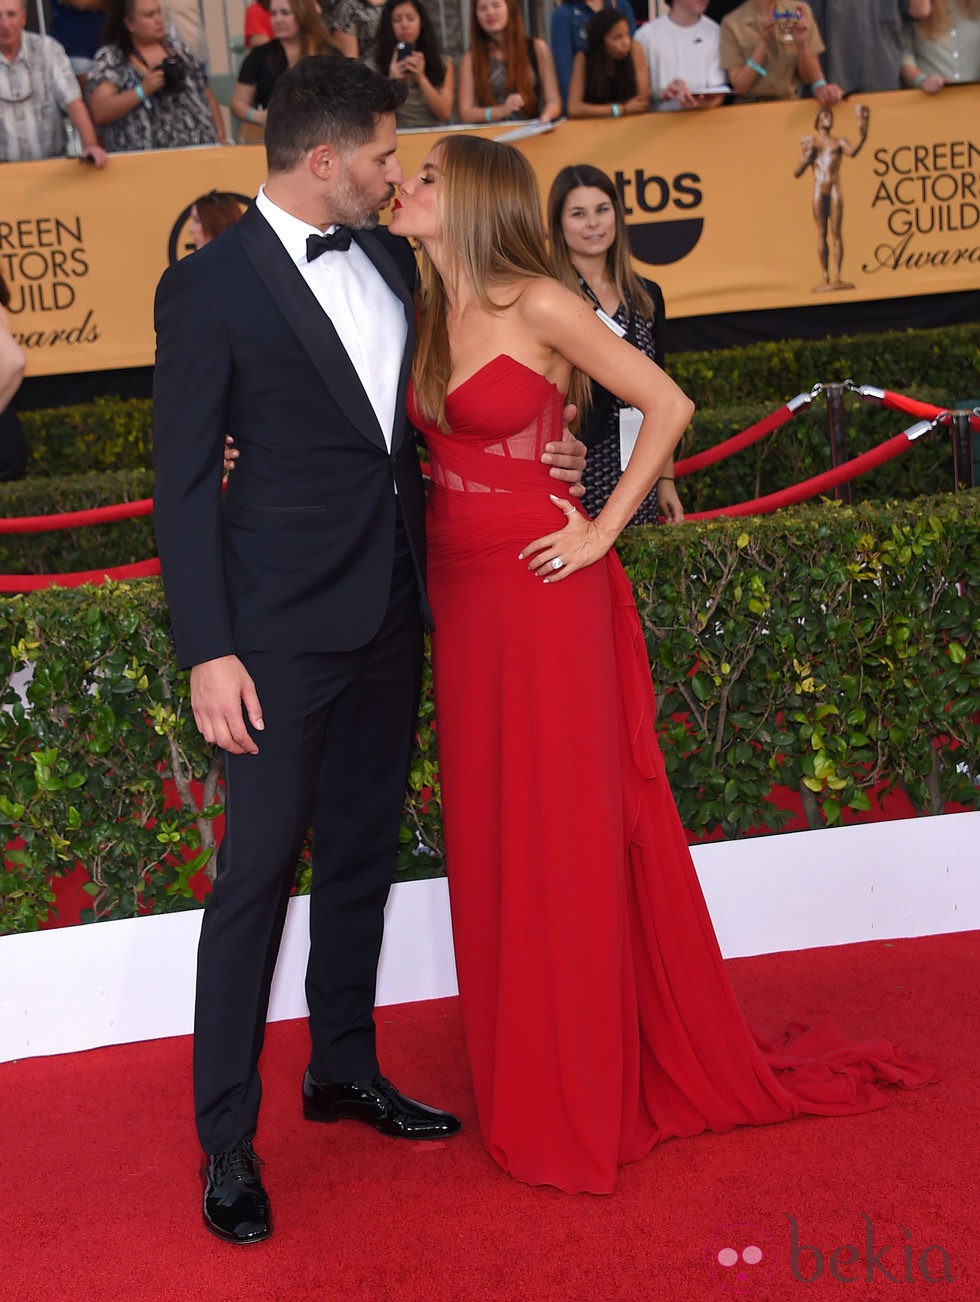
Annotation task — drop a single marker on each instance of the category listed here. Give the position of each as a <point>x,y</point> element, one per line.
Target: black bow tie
<point>339,239</point>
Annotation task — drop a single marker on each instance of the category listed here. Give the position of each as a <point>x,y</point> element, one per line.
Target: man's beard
<point>353,207</point>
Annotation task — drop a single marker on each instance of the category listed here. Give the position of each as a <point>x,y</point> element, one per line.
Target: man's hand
<point>828,95</point>
<point>219,690</point>
<point>94,154</point>
<point>567,458</point>
<point>678,90</point>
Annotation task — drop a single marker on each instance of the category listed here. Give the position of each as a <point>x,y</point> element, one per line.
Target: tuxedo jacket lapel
<point>313,327</point>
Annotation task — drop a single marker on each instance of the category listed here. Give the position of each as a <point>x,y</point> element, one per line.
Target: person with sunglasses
<point>38,90</point>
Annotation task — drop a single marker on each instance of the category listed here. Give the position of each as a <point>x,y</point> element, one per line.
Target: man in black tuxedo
<point>298,600</point>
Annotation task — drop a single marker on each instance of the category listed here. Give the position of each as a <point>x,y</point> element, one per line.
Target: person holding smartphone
<point>407,49</point>
<point>683,49</point>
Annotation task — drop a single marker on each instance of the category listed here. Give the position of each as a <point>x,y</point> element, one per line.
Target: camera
<point>174,72</point>
<point>402,50</point>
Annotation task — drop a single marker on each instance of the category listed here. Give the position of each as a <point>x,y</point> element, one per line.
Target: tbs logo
<point>669,239</point>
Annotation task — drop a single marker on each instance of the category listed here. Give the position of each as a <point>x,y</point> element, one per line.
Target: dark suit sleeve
<point>191,388</point>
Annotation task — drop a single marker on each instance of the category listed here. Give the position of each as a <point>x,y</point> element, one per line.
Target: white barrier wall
<point>116,982</point>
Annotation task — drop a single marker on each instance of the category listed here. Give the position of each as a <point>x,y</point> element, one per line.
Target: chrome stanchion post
<point>964,463</point>
<point>837,434</point>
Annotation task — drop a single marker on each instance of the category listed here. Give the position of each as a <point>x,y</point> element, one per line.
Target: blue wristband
<point>757,68</point>
<point>488,115</point>
<point>816,85</point>
<point>140,92</point>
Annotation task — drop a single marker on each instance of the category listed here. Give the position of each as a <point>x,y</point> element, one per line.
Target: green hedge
<point>108,434</point>
<point>904,361</point>
<point>828,649</point>
<point>61,551</point>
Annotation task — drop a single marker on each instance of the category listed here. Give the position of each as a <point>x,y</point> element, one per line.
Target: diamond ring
<point>557,563</point>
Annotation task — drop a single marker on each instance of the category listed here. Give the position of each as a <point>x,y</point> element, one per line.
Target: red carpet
<point>101,1198</point>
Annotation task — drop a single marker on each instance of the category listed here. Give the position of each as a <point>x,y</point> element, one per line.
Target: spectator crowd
<point>113,75</point>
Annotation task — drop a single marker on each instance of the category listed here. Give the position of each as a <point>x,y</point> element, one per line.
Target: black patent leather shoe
<point>236,1206</point>
<point>377,1103</point>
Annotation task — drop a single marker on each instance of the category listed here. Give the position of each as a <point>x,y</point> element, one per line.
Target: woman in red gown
<point>597,1012</point>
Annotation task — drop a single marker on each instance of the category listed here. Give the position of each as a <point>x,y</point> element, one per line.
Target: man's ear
<point>323,162</point>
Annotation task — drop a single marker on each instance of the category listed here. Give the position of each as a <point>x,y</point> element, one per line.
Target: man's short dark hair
<point>325,99</point>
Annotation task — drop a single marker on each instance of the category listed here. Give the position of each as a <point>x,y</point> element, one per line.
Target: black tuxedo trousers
<point>334,753</point>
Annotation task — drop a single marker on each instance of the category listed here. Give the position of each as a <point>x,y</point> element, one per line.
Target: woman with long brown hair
<point>298,31</point>
<point>505,76</point>
<point>943,47</point>
<point>407,50</point>
<point>597,1012</point>
<point>591,252</point>
<point>610,77</point>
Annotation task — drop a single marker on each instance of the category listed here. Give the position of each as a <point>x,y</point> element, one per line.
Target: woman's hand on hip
<point>557,555</point>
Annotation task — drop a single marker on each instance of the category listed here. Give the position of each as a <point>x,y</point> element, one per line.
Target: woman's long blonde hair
<point>492,229</point>
<point>941,19</point>
<point>520,73</point>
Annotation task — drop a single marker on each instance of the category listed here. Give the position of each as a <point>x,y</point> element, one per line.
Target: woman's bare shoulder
<point>544,300</point>
<point>544,293</point>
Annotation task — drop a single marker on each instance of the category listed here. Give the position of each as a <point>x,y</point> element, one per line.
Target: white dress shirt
<point>367,315</point>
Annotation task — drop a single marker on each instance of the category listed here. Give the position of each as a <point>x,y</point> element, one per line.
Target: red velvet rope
<point>75,519</point>
<point>912,407</point>
<point>35,582</point>
<point>735,444</point>
<point>886,451</point>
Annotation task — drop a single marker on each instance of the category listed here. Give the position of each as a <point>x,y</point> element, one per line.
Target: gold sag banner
<point>763,206</point>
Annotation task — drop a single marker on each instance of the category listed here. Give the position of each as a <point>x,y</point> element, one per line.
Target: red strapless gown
<point>598,1015</point>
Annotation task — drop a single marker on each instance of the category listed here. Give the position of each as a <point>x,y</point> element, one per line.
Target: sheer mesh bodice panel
<point>513,429</point>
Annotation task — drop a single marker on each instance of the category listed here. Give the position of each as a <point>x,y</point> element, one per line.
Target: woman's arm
<point>13,363</point>
<point>668,501</point>
<point>577,107</point>
<point>741,63</point>
<point>438,99</point>
<point>640,102</point>
<point>346,42</point>
<point>242,104</point>
<point>559,320</point>
<point>467,98</point>
<point>217,117</point>
<point>913,78</point>
<point>808,68</point>
<point>549,96</point>
<point>107,103</point>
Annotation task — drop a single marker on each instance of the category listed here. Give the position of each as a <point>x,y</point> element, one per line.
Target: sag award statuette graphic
<point>823,152</point>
